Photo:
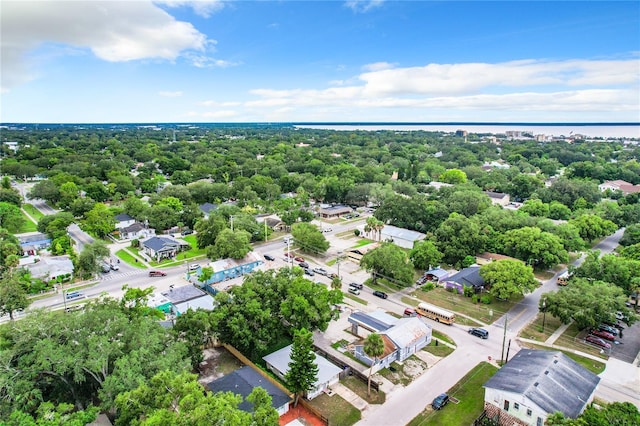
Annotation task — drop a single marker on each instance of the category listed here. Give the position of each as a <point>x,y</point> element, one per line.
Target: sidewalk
<point>557,333</point>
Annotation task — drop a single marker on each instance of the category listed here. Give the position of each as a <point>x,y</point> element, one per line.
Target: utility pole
<point>231,219</point>
<point>504,338</point>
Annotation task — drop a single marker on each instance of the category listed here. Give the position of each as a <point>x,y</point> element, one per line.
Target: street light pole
<point>544,313</point>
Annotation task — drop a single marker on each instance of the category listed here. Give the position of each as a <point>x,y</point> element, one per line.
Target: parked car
<point>114,267</point>
<point>408,312</point>
<point>609,329</point>
<point>269,257</point>
<point>187,232</point>
<point>327,229</point>
<point>105,268</point>
<point>603,334</point>
<point>332,275</point>
<point>309,272</point>
<point>291,255</point>
<point>440,401</point>
<point>381,294</point>
<point>354,290</point>
<point>299,259</point>
<point>597,341</point>
<point>356,285</point>
<point>157,274</point>
<point>480,332</point>
<point>304,265</point>
<point>320,271</point>
<point>73,295</point>
<point>194,267</point>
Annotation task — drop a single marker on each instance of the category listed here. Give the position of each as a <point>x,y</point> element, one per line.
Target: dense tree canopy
<point>507,278</point>
<point>389,262</point>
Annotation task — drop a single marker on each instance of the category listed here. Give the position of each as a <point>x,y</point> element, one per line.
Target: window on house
<point>516,406</point>
<point>506,405</point>
<point>539,422</point>
<point>529,413</point>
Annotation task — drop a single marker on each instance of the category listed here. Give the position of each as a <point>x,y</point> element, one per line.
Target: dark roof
<point>468,276</point>
<point>133,228</point>
<point>158,243</point>
<point>242,381</point>
<point>123,217</point>
<point>183,294</point>
<point>550,379</point>
<point>497,195</point>
<point>336,209</point>
<point>368,322</point>
<point>34,238</point>
<point>207,207</point>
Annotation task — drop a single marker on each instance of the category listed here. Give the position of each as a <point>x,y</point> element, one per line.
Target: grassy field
<point>443,337</point>
<point>470,394</point>
<point>464,305</point>
<point>534,330</point>
<point>362,242</point>
<point>355,298</point>
<point>360,388</point>
<point>27,226</point>
<point>439,349</point>
<point>129,259</point>
<point>33,212</point>
<point>336,409</point>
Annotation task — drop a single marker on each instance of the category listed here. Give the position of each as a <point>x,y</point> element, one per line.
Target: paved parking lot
<point>629,346</point>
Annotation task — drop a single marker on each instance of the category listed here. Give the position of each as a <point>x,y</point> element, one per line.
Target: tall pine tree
<point>303,370</point>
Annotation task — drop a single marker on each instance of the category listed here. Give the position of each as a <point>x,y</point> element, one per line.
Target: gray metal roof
<point>123,217</point>
<point>280,361</point>
<point>207,207</point>
<point>242,381</point>
<point>205,302</point>
<point>408,331</point>
<point>369,322</point>
<point>401,233</point>
<point>549,379</point>
<point>183,294</point>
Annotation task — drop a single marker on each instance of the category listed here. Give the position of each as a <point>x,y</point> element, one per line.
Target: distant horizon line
<point>338,123</point>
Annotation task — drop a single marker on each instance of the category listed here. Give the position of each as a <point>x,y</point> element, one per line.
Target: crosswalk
<point>121,274</point>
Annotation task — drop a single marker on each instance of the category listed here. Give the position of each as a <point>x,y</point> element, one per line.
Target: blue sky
<point>271,61</point>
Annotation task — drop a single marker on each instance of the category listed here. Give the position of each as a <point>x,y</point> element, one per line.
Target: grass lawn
<point>469,392</point>
<point>438,350</point>
<point>534,331</point>
<point>403,374</point>
<point>336,409</point>
<point>194,251</point>
<point>443,337</point>
<point>357,299</point>
<point>27,226</point>
<point>464,305</point>
<point>362,242</point>
<point>35,213</point>
<point>129,259</point>
<point>543,275</point>
<point>360,388</point>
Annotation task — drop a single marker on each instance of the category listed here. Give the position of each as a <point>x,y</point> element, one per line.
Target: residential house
<point>186,297</point>
<point>31,242</point>
<point>243,380</point>
<point>163,247</point>
<point>137,231</point>
<point>402,336</point>
<point>436,275</point>
<point>51,268</point>
<point>123,220</point>
<point>498,198</point>
<point>401,237</point>
<point>535,384</point>
<point>334,211</point>
<point>207,208</point>
<point>273,222</point>
<point>355,254</point>
<point>619,185</point>
<point>468,277</point>
<point>328,373</point>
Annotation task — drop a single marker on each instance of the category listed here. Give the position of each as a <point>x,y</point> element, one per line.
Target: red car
<point>597,341</point>
<point>287,254</point>
<point>603,334</point>
<point>299,259</point>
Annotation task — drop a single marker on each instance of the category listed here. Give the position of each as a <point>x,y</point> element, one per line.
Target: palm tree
<point>373,347</point>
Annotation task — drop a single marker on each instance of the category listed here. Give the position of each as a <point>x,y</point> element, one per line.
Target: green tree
<point>55,225</point>
<point>309,238</point>
<point>13,297</point>
<point>390,262</point>
<point>195,329</point>
<point>592,227</point>
<point>535,207</point>
<point>536,248</point>
<point>48,414</point>
<point>90,259</point>
<point>207,230</point>
<point>425,255</point>
<point>558,211</point>
<point>373,348</point>
<point>162,217</point>
<point>459,236</point>
<point>172,202</point>
<point>468,203</point>
<point>100,220</point>
<point>230,244</point>
<point>506,278</point>
<point>453,176</point>
<point>610,268</point>
<point>631,252</point>
<point>616,413</point>
<point>11,217</point>
<point>631,235</point>
<point>11,196</point>
<point>46,190</point>
<point>587,303</point>
<point>9,251</point>
<point>303,370</point>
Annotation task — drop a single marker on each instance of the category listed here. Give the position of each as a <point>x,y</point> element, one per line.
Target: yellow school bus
<point>563,279</point>
<point>435,313</point>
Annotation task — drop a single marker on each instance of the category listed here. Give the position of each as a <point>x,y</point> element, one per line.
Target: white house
<point>123,220</point>
<point>535,384</point>
<point>401,237</point>
<point>50,268</point>
<point>163,247</point>
<point>328,373</point>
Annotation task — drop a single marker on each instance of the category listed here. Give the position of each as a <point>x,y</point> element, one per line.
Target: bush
<point>452,289</point>
<point>428,287</point>
<point>475,298</point>
<point>135,243</point>
<point>485,299</point>
<point>467,290</point>
<point>357,232</point>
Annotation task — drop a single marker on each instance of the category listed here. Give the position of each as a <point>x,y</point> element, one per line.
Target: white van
<point>354,290</point>
<point>194,267</point>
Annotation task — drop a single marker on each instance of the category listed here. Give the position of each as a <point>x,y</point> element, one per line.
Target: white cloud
<point>167,94</point>
<point>567,86</point>
<point>363,6</point>
<point>378,66</point>
<point>113,31</point>
<point>210,103</point>
<point>204,8</point>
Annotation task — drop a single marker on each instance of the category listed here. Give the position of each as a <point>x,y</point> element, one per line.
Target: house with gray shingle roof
<point>535,384</point>
<point>163,247</point>
<point>207,208</point>
<point>468,277</point>
<point>243,380</point>
<point>401,237</point>
<point>123,220</point>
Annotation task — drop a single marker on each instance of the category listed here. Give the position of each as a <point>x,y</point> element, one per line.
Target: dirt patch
<point>217,363</point>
